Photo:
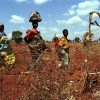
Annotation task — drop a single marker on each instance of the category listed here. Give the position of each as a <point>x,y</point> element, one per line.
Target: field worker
<point>33,37</point>
<point>56,41</point>
<point>7,57</point>
<point>63,49</point>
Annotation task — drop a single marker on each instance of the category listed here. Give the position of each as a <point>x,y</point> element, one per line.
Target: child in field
<point>63,49</point>
<point>56,41</point>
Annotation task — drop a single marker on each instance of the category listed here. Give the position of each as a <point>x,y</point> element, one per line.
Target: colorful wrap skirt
<point>7,56</point>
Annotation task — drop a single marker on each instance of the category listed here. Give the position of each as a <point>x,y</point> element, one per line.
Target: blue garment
<point>1,33</point>
<point>3,46</point>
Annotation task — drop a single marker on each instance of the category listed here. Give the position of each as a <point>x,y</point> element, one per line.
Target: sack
<point>35,16</point>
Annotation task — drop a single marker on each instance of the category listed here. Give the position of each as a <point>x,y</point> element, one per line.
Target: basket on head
<point>35,17</point>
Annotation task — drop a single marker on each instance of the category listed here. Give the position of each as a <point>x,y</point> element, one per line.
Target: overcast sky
<point>56,15</point>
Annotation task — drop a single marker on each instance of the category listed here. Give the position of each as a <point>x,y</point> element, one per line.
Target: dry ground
<point>49,82</point>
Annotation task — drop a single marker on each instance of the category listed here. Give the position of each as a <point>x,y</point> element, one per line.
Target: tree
<point>77,39</point>
<point>17,36</point>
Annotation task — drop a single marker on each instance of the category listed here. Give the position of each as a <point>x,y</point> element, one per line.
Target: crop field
<point>47,81</point>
